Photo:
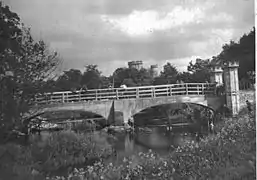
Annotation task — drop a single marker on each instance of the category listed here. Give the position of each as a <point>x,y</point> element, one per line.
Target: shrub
<point>143,166</point>
<point>84,127</point>
<point>67,148</point>
<point>59,150</point>
<point>230,154</point>
<point>16,162</point>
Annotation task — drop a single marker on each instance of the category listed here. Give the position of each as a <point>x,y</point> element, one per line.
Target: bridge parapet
<point>127,93</point>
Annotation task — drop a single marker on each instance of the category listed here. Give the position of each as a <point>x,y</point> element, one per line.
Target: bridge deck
<point>126,93</point>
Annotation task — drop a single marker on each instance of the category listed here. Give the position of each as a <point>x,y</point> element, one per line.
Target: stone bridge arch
<point>180,105</point>
<point>171,111</point>
<point>102,108</point>
<point>130,107</point>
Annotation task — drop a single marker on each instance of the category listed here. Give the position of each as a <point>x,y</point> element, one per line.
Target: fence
<point>127,93</point>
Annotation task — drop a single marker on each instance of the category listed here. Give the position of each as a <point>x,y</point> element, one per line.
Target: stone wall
<point>246,95</point>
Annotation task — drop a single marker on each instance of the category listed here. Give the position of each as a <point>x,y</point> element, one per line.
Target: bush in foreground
<point>66,149</point>
<point>59,150</point>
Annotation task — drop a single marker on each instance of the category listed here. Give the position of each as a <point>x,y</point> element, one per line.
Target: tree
<point>25,64</point>
<point>10,31</point>
<point>169,75</point>
<point>106,82</point>
<point>70,80</point>
<point>200,70</point>
<point>140,77</point>
<point>132,77</point>
<point>242,51</point>
<point>186,77</point>
<point>92,77</point>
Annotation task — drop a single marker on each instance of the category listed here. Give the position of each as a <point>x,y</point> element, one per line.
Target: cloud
<point>145,22</point>
<point>109,33</point>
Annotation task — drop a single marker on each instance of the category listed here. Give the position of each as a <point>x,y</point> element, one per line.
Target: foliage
<point>65,149</point>
<point>169,75</point>
<point>228,155</point>
<point>15,162</point>
<point>73,79</point>
<point>58,150</point>
<point>25,64</point>
<point>10,30</point>
<point>200,70</point>
<point>69,80</point>
<point>132,77</point>
<point>186,77</point>
<point>85,126</point>
<point>92,77</point>
<point>242,51</point>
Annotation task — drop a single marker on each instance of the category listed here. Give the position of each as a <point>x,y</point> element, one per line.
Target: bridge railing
<point>127,93</point>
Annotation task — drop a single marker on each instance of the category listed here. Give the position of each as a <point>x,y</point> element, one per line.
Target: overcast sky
<point>110,33</point>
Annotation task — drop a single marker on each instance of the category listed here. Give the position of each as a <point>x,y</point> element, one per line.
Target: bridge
<point>129,101</point>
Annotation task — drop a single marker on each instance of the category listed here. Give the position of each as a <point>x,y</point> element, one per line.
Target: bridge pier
<point>232,86</point>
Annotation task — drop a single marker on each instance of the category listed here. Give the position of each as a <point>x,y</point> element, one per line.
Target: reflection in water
<point>157,139</point>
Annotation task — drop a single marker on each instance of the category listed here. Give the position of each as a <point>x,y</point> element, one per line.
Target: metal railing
<point>127,93</point>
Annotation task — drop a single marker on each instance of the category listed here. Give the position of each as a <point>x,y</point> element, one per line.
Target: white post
<point>63,97</point>
<point>153,92</point>
<point>117,94</point>
<point>137,93</point>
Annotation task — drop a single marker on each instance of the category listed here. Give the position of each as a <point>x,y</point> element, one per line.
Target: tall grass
<point>58,150</point>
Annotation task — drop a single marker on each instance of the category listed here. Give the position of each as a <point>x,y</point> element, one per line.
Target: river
<point>158,139</point>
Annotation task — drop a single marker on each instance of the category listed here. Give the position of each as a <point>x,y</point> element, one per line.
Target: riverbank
<point>229,154</point>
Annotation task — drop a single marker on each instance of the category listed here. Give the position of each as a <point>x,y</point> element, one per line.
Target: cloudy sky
<point>110,33</point>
